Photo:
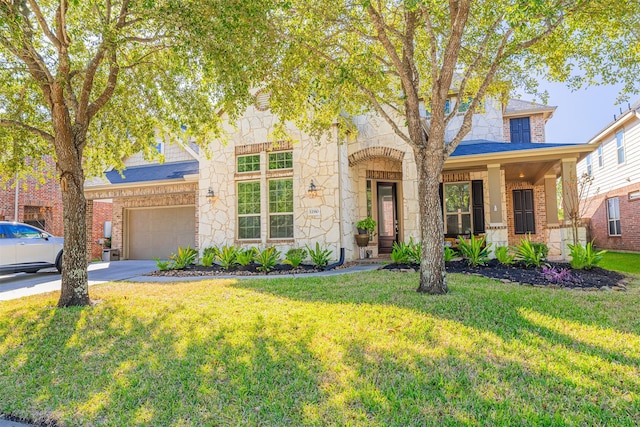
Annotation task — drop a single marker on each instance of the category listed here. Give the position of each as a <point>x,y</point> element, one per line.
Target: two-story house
<point>610,205</point>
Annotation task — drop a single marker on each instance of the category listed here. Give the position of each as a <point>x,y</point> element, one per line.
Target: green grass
<point>362,350</point>
<point>621,261</point>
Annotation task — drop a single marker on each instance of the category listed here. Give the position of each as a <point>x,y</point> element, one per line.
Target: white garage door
<point>158,232</point>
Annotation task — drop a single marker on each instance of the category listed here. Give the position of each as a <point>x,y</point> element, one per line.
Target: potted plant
<point>366,228</point>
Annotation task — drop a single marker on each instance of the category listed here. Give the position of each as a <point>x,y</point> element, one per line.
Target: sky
<point>583,113</point>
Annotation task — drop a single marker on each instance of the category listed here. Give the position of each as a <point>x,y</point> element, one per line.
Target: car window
<point>20,231</point>
<point>4,234</point>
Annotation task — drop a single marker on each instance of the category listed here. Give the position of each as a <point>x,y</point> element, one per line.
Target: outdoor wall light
<point>312,191</point>
<point>210,194</point>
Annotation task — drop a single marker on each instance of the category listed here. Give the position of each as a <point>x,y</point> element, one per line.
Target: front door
<point>387,217</point>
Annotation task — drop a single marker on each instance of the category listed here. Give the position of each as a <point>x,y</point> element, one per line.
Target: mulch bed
<point>594,279</point>
<point>249,270</point>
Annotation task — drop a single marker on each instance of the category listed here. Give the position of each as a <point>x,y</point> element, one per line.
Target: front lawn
<point>621,261</point>
<point>345,350</point>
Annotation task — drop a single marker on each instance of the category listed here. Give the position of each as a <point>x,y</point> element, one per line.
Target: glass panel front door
<point>387,217</point>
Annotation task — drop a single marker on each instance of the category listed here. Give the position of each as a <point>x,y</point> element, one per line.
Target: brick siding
<point>539,206</point>
<point>598,224</point>
<point>537,123</point>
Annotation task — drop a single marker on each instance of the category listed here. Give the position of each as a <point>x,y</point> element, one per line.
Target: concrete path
<point>20,285</point>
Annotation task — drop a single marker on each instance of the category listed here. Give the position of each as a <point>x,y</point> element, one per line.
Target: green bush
<point>449,253</point>
<point>542,248</point>
<point>207,259</point>
<point>400,253</point>
<point>529,253</point>
<point>183,258</point>
<point>244,257</point>
<point>414,251</point>
<point>295,256</point>
<point>320,257</point>
<point>267,258</point>
<point>474,251</point>
<point>585,256</point>
<point>163,265</point>
<point>504,256</point>
<point>211,250</point>
<point>227,257</point>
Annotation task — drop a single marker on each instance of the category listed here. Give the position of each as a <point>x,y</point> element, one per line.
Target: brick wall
<point>537,123</point>
<point>598,224</point>
<point>36,202</point>
<point>539,206</point>
<point>101,213</point>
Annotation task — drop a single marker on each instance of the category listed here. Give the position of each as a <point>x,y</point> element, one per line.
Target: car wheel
<point>59,262</point>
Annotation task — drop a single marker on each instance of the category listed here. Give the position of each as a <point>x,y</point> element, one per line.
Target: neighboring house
<point>154,204</point>
<point>40,204</point>
<point>253,192</point>
<point>610,205</point>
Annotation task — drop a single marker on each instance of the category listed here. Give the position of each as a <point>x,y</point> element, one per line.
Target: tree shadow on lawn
<point>331,352</point>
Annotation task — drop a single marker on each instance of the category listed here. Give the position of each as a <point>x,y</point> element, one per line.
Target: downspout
<point>15,203</point>
<point>340,219</point>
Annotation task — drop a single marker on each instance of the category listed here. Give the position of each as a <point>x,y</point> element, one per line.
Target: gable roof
<point>519,107</point>
<point>155,172</point>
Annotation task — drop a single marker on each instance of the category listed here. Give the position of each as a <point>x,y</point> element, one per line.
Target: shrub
<point>400,253</point>
<point>474,251</point>
<point>267,258</point>
<point>244,257</point>
<point>560,276</point>
<point>163,265</point>
<point>529,253</point>
<point>585,256</point>
<point>449,253</point>
<point>207,259</point>
<point>414,251</point>
<point>320,257</point>
<point>227,257</point>
<point>541,248</point>
<point>503,256</point>
<point>295,256</point>
<point>184,257</point>
<point>211,250</point>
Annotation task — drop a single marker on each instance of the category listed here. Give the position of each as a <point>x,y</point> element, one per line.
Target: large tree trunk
<point>75,287</point>
<point>432,273</point>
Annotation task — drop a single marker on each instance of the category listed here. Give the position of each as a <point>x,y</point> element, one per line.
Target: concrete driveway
<point>19,285</point>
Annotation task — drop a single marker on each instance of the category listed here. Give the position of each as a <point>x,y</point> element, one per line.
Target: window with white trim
<point>613,216</point>
<point>600,157</point>
<point>620,146</point>
<point>249,210</point>
<point>281,208</point>
<point>589,167</point>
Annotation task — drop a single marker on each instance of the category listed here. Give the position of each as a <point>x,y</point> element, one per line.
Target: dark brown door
<point>387,217</point>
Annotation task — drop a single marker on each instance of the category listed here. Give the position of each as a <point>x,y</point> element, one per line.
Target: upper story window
<point>248,163</point>
<point>620,146</point>
<point>589,167</point>
<point>600,157</point>
<point>281,160</point>
<point>160,147</point>
<point>520,130</point>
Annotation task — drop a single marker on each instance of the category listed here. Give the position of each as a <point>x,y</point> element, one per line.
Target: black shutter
<point>520,130</point>
<point>526,129</point>
<point>441,197</point>
<point>530,222</point>
<point>523,213</point>
<point>477,199</point>
<point>518,213</point>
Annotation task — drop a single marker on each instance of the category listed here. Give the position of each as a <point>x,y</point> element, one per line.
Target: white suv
<point>24,248</point>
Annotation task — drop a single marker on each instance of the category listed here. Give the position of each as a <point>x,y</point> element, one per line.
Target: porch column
<point>551,198</point>
<point>569,188</point>
<point>495,194</point>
